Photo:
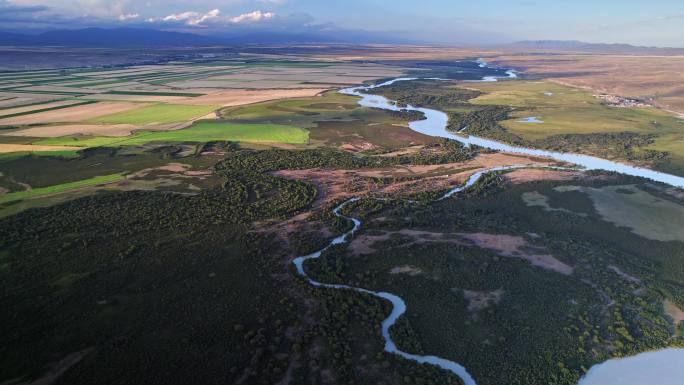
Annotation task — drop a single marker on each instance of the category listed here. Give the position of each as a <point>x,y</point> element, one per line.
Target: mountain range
<point>142,37</point>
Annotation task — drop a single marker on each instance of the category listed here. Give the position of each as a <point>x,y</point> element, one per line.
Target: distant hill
<point>584,47</point>
<point>107,37</point>
<point>139,37</point>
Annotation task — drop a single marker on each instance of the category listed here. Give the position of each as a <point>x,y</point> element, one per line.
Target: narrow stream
<point>398,304</point>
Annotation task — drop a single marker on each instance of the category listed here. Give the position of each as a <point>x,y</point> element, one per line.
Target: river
<point>436,124</point>
<point>665,363</point>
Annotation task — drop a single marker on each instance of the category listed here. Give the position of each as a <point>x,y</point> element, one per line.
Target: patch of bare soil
<point>179,170</point>
<point>674,311</point>
<point>404,151</point>
<point>363,243</point>
<point>7,148</point>
<point>480,300</point>
<point>531,174</point>
<point>357,147</point>
<point>517,247</point>
<point>407,269</point>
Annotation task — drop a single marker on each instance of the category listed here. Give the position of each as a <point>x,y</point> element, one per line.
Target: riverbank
<point>436,124</point>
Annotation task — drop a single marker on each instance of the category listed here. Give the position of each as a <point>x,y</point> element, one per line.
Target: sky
<point>457,22</point>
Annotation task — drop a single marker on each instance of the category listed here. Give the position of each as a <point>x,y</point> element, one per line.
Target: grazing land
<point>656,79</point>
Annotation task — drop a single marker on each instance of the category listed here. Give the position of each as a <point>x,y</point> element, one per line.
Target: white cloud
<point>214,13</point>
<point>180,16</point>
<point>190,18</point>
<point>128,16</point>
<point>252,17</point>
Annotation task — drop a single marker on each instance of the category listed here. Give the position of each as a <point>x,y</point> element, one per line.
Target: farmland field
<point>156,114</point>
<point>199,132</point>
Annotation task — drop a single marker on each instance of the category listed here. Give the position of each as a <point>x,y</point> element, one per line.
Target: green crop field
<point>200,132</point>
<point>34,193</point>
<point>157,113</point>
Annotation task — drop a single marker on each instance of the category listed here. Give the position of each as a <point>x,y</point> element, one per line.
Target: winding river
<point>398,304</point>
<point>435,125</point>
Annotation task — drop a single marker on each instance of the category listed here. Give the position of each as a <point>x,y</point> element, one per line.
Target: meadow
<point>567,110</point>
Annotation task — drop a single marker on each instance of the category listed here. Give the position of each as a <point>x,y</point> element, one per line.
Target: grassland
<point>199,132</point>
<point>627,206</point>
<point>42,191</point>
<point>657,78</point>
<point>156,114</point>
<point>567,110</point>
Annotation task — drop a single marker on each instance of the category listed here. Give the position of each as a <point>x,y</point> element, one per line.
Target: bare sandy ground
<point>238,97</point>
<point>7,148</point>
<point>73,129</point>
<point>73,114</point>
